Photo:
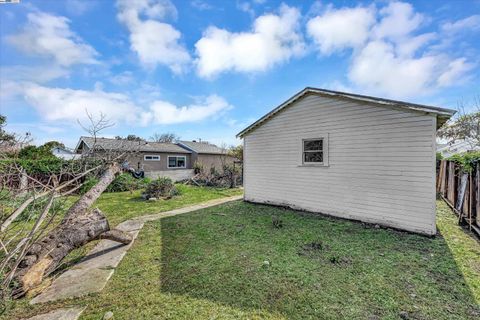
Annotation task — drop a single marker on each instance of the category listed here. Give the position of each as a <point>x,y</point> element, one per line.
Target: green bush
<point>126,182</point>
<point>162,187</point>
<point>50,165</point>
<point>88,184</point>
<point>466,160</point>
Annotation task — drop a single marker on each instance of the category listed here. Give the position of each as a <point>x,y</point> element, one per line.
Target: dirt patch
<point>312,248</point>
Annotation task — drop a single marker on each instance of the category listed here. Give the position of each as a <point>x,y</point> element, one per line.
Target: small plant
<point>198,168</point>
<point>162,187</point>
<point>334,259</point>
<point>126,182</point>
<point>277,222</point>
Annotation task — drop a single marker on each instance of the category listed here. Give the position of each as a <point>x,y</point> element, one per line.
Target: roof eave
<point>443,114</point>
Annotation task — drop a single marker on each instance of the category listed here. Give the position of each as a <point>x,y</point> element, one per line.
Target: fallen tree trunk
<point>79,226</point>
<point>92,195</point>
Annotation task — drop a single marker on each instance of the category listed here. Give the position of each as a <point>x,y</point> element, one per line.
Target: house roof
<point>457,146</point>
<point>122,144</point>
<point>442,114</point>
<point>202,147</point>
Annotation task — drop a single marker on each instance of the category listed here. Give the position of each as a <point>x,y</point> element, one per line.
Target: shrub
<point>88,184</point>
<point>198,167</point>
<point>126,182</point>
<point>466,160</point>
<point>162,187</point>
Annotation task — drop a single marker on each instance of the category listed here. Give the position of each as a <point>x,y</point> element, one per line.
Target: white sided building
<point>347,155</point>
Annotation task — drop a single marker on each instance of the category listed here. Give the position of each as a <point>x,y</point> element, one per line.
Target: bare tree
<point>34,237</point>
<point>169,137</point>
<point>96,125</point>
<point>465,125</point>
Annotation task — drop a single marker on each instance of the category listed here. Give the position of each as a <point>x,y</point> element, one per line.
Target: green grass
<point>209,264</point>
<point>121,206</point>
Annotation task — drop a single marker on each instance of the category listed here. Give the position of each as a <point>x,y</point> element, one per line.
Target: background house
<point>459,146</point>
<point>174,160</point>
<point>346,155</point>
<point>64,153</point>
<point>207,154</point>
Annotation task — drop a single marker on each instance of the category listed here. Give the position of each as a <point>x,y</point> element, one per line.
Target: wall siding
<point>175,175</point>
<point>161,165</point>
<point>213,160</point>
<point>381,163</point>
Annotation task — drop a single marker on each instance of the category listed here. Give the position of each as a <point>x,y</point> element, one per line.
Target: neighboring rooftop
<point>442,114</point>
<point>202,147</point>
<point>122,144</point>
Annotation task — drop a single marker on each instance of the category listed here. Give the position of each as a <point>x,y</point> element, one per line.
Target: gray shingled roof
<point>202,147</point>
<point>117,144</point>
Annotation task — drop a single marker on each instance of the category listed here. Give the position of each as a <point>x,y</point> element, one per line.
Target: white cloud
<point>201,5</point>
<point>59,104</point>
<point>79,7</point>
<point>163,112</point>
<point>469,23</point>
<point>155,42</point>
<point>50,36</point>
<point>274,38</point>
<point>377,67</point>
<point>246,7</point>
<point>340,29</point>
<point>38,74</point>
<point>122,78</point>
<point>455,71</point>
<point>398,19</point>
<point>389,57</point>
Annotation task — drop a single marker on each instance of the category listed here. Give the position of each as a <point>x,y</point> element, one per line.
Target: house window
<point>151,157</point>
<point>313,151</point>
<point>177,162</point>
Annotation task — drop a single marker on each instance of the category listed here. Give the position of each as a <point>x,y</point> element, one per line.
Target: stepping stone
<point>60,314</point>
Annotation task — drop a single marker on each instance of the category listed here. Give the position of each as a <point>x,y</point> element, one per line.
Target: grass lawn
<point>210,264</point>
<point>121,206</point>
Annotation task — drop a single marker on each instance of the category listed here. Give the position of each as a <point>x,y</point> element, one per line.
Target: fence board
<point>461,191</point>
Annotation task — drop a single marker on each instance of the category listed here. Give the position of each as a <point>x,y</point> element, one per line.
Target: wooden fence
<point>461,190</point>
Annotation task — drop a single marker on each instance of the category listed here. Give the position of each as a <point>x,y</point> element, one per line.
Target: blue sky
<point>206,69</point>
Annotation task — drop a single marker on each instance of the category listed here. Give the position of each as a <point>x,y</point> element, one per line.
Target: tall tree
<point>6,139</point>
<point>236,152</point>
<point>168,137</point>
<point>465,126</point>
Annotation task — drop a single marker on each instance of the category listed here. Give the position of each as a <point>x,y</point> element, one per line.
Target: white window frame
<point>320,136</point>
<point>184,161</point>
<point>155,157</point>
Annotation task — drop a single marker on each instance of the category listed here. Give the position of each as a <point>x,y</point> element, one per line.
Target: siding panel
<point>381,163</point>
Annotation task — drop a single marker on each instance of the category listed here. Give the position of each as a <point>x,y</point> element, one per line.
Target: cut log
<point>44,256</point>
<point>117,235</point>
<point>79,226</point>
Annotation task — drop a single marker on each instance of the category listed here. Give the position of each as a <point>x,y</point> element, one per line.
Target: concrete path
<point>92,273</point>
<point>60,314</point>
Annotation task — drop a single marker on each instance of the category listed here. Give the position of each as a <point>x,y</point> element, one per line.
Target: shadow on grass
<point>312,267</point>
